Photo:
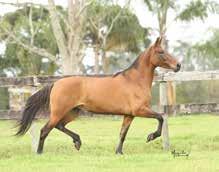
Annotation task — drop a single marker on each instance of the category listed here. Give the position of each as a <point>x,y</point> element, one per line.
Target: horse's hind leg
<point>44,133</point>
<point>61,126</point>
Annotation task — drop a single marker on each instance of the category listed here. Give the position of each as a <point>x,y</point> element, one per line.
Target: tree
<point>200,56</point>
<point>22,31</point>
<point>113,28</point>
<point>67,28</point>
<point>195,9</point>
<point>69,39</point>
<point>70,29</point>
<point>207,53</point>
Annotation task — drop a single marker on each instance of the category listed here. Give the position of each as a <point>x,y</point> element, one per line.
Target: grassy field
<point>198,134</point>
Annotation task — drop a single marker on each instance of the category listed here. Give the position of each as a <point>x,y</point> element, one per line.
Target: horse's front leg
<point>127,120</point>
<point>148,113</point>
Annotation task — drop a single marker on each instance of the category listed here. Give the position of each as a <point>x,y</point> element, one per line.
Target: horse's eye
<point>161,54</point>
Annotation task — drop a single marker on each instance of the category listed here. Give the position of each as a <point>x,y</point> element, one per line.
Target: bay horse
<point>126,93</point>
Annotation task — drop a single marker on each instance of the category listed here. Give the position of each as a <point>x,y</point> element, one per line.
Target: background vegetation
<point>53,40</point>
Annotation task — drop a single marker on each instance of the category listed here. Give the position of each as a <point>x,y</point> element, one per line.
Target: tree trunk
<point>60,38</point>
<point>70,47</point>
<point>105,63</point>
<point>96,65</point>
<point>76,21</point>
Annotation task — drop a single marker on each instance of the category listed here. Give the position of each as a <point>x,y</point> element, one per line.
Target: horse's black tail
<point>35,103</point>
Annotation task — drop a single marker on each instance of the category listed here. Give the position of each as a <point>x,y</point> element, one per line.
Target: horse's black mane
<point>133,65</point>
<point>97,75</point>
<point>91,75</point>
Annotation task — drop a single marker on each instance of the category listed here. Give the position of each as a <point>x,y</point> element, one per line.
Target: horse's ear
<point>158,41</point>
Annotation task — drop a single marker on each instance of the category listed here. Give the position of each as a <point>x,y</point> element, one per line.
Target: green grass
<point>198,134</point>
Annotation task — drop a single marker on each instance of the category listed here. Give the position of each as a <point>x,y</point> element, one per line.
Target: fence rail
<point>188,76</point>
<point>13,114</point>
<point>184,109</point>
<point>42,80</point>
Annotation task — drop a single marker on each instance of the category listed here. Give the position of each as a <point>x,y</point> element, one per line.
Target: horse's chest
<point>142,97</point>
<point>142,94</point>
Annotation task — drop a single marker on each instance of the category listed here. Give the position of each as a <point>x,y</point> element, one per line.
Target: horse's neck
<point>144,71</point>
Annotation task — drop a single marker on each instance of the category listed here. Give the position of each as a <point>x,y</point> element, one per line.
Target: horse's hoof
<point>39,152</point>
<point>150,137</point>
<point>119,152</point>
<point>77,145</point>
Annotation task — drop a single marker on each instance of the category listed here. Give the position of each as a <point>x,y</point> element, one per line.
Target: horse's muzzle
<point>178,66</point>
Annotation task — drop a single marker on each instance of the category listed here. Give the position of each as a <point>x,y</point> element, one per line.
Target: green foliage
<point>200,56</point>
<point>116,30</point>
<point>189,92</point>
<point>198,9</point>
<point>209,48</point>
<point>126,32</point>
<point>195,9</point>
<point>18,59</point>
<point>126,35</point>
<point>149,5</point>
<point>99,138</point>
<point>158,5</point>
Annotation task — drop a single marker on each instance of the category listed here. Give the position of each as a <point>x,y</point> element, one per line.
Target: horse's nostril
<point>178,66</point>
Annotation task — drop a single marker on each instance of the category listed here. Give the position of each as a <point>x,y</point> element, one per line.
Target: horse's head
<point>161,58</point>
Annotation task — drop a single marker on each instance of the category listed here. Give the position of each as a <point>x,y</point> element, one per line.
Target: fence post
<point>163,104</point>
<point>171,97</point>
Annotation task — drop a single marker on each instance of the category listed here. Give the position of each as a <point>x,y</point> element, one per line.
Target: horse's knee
<point>160,119</point>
